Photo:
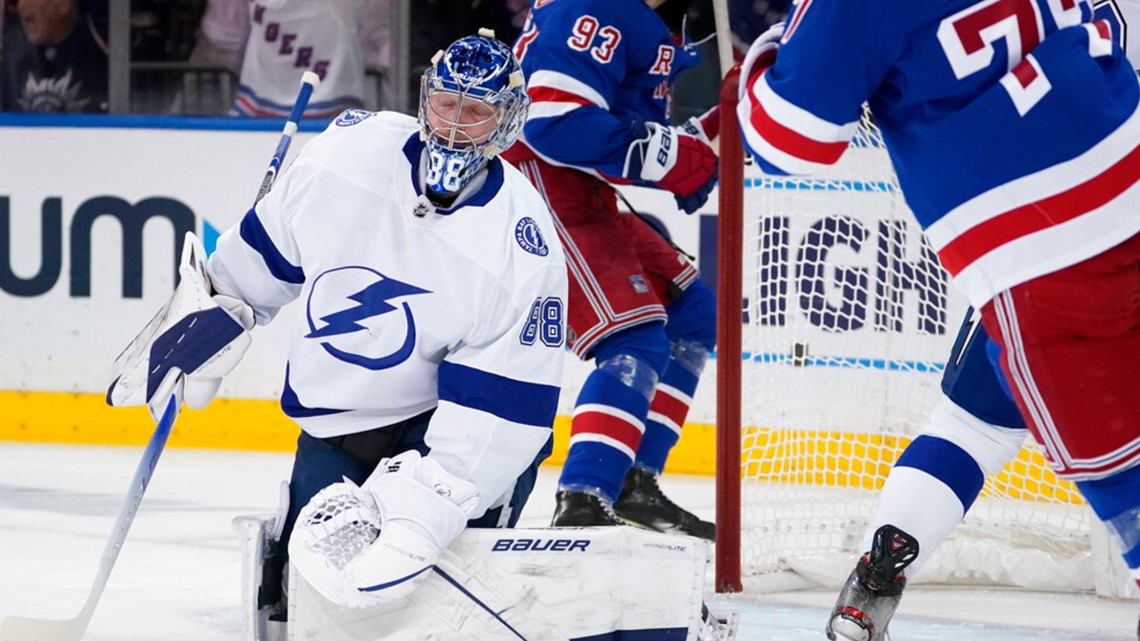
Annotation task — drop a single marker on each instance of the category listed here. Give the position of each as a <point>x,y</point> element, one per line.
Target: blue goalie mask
<point>473,104</point>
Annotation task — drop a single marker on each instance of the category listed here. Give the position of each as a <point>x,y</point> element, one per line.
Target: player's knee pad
<point>692,317</point>
<point>690,355</point>
<point>636,357</point>
<point>632,372</point>
<point>990,446</point>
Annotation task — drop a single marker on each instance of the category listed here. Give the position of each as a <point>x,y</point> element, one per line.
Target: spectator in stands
<point>55,59</point>
<point>337,39</point>
<point>750,18</point>
<point>435,23</point>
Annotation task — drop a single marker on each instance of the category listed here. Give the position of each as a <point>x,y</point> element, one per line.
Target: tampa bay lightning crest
<point>350,310</point>
<point>350,117</point>
<point>530,238</point>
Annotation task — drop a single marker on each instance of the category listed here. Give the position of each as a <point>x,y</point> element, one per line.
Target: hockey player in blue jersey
<point>599,74</point>
<point>1014,130</point>
<point>426,361</point>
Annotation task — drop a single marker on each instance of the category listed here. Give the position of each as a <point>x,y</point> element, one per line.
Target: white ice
<point>177,577</point>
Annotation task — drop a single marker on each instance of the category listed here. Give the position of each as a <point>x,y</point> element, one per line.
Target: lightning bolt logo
<point>371,301</point>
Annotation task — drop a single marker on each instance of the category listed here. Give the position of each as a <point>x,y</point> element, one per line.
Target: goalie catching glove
<point>369,545</point>
<point>679,159</point>
<point>186,349</point>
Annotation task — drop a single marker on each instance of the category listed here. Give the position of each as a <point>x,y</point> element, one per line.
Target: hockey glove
<point>332,529</point>
<point>422,509</point>
<point>706,127</point>
<point>673,159</point>
<point>760,56</point>
<point>186,349</point>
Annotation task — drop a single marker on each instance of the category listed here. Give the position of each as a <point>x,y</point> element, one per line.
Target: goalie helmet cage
<point>834,324</point>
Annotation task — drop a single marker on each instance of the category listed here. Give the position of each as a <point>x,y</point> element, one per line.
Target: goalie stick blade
<point>27,629</point>
<point>16,628</point>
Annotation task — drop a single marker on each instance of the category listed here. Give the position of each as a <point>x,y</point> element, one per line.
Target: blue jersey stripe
<point>507,398</point>
<point>254,234</point>
<point>292,406</point>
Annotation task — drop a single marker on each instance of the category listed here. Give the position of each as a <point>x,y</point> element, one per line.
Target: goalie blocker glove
<point>678,159</point>
<point>190,344</point>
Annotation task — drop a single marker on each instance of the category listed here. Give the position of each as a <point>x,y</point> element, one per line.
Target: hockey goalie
<point>548,584</point>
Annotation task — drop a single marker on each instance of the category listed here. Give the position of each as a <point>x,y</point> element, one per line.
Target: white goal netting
<point>848,320</point>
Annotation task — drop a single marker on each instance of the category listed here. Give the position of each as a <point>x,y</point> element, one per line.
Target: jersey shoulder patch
<point>530,238</point>
<point>350,117</point>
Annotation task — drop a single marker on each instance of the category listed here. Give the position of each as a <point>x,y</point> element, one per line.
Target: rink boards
<point>95,208</point>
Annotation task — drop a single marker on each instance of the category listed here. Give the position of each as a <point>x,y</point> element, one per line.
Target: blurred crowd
<point>245,57</point>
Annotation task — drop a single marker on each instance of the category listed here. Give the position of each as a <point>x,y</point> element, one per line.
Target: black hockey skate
<point>581,509</point>
<point>872,593</point>
<point>643,503</point>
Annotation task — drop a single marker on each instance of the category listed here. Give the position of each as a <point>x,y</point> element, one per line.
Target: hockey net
<point>836,321</point>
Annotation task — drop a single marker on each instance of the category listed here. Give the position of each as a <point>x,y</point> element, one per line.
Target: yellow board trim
<point>790,456</point>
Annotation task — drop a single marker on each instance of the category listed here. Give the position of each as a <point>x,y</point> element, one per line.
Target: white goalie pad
<point>258,535</point>
<point>532,584</point>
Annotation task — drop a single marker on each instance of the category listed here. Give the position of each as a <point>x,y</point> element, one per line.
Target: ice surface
<point>177,577</point>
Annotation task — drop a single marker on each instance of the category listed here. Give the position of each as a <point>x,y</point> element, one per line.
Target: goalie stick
<point>16,628</point>
<point>309,82</point>
<point>26,629</point>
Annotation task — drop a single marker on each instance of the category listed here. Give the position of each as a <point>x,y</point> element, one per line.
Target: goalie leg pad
<point>262,606</point>
<point>499,585</point>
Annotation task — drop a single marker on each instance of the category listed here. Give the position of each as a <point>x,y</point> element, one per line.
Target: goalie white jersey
<point>406,307</point>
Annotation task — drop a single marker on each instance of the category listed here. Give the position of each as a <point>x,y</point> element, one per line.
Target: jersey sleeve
<point>799,115</point>
<point>498,391</point>
<point>572,89</point>
<point>258,261</point>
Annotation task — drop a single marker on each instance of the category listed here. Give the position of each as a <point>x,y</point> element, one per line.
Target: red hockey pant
<point>1071,353</point>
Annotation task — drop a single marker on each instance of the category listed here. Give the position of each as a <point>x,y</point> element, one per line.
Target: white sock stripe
<point>610,410</point>
<point>675,393</point>
<point>602,439</point>
<point>1000,303</point>
<point>664,420</point>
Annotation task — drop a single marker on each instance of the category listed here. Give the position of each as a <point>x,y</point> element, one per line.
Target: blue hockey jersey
<point>1012,124</point>
<point>593,67</point>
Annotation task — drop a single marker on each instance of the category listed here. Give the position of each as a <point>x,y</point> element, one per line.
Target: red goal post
<point>834,323</point>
